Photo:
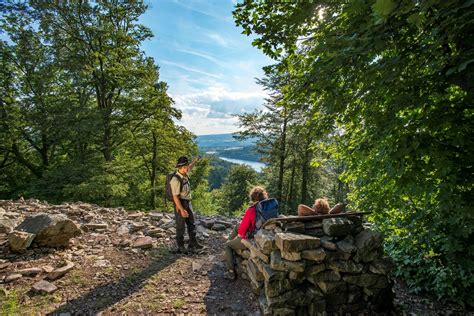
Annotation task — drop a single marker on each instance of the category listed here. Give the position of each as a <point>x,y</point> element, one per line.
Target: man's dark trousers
<point>182,221</point>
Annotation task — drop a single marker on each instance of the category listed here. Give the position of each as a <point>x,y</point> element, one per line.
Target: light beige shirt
<point>185,193</point>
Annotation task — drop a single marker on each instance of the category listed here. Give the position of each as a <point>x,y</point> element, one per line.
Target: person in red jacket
<point>247,224</point>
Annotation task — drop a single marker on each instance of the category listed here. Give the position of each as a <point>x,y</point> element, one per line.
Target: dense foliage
<point>219,171</point>
<point>298,167</point>
<point>84,115</point>
<point>391,83</point>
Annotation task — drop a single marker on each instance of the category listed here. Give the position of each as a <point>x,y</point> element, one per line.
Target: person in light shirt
<point>184,215</point>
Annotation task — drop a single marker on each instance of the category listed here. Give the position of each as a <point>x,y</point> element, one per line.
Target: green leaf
<point>384,7</point>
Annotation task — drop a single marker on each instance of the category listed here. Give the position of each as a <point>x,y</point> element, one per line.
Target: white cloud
<point>197,6</point>
<point>170,63</point>
<point>221,40</point>
<point>209,111</point>
<point>203,55</point>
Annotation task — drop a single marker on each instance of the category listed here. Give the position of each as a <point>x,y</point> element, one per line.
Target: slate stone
<point>317,255</point>
<point>44,287</point>
<point>347,245</point>
<point>368,240</point>
<point>254,251</point>
<point>294,227</point>
<point>30,271</point>
<point>345,266</point>
<point>313,224</point>
<point>277,287</point>
<point>143,243</point>
<point>296,242</point>
<point>367,280</point>
<point>57,273</point>
<point>7,225</point>
<point>315,269</point>
<point>291,256</point>
<point>277,263</point>
<point>269,274</point>
<point>19,241</point>
<point>13,277</point>
<point>338,226</point>
<point>265,241</point>
<point>51,230</point>
<point>329,287</point>
<point>382,266</point>
<point>325,276</point>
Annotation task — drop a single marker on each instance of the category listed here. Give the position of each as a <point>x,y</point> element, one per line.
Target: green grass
<point>78,278</point>
<point>178,303</point>
<point>9,302</point>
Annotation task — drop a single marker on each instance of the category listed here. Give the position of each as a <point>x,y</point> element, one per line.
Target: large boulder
<point>51,230</point>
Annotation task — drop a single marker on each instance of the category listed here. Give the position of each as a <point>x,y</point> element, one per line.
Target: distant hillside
<point>222,141</point>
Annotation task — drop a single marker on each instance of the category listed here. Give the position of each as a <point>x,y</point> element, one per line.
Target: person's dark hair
<point>258,194</point>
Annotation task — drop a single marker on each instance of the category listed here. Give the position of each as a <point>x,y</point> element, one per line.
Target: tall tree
<point>397,79</point>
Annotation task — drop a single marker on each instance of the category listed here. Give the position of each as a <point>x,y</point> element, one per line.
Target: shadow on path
<point>106,295</point>
<point>227,297</point>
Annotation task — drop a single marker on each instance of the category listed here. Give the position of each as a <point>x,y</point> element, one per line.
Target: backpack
<point>169,194</point>
<point>264,210</point>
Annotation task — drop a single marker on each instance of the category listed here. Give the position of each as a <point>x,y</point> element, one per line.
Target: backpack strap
<point>175,174</point>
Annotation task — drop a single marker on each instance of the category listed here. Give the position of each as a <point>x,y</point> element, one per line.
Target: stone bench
<point>317,264</point>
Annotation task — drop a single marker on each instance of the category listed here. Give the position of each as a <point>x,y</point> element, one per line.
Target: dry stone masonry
<point>317,265</point>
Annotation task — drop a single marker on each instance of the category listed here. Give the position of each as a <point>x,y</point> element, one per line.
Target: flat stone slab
<point>279,264</point>
<point>93,226</point>
<point>134,215</point>
<point>296,242</point>
<point>143,243</point>
<point>56,274</point>
<point>44,287</point>
<point>12,277</point>
<point>291,256</point>
<point>30,271</point>
<point>314,254</point>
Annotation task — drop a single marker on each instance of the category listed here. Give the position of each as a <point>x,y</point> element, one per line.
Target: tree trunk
<point>305,168</point>
<point>282,155</point>
<point>154,166</point>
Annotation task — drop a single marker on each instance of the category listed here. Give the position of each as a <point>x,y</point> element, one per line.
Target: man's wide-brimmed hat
<point>182,161</point>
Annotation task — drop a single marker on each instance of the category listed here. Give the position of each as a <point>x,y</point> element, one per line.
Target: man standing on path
<point>184,216</point>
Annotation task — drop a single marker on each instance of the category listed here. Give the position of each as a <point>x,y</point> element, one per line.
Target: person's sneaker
<point>229,275</point>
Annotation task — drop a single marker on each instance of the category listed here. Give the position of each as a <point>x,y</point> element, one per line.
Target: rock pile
<point>43,242</point>
<point>309,266</point>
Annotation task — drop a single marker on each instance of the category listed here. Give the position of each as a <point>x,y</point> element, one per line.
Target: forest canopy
<point>84,115</point>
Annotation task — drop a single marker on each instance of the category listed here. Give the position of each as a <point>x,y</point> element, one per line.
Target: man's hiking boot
<point>195,246</point>
<point>181,249</point>
<point>230,275</point>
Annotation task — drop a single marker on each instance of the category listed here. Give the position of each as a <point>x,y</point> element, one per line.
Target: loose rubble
<point>112,261</point>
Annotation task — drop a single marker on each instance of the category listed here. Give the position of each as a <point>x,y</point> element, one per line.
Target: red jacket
<point>248,221</point>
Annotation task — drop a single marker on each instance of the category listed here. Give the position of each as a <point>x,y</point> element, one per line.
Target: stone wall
<point>311,266</point>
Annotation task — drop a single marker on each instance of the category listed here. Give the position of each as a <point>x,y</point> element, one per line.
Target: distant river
<point>257,166</point>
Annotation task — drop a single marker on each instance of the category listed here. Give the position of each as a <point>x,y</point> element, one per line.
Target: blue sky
<point>209,65</point>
